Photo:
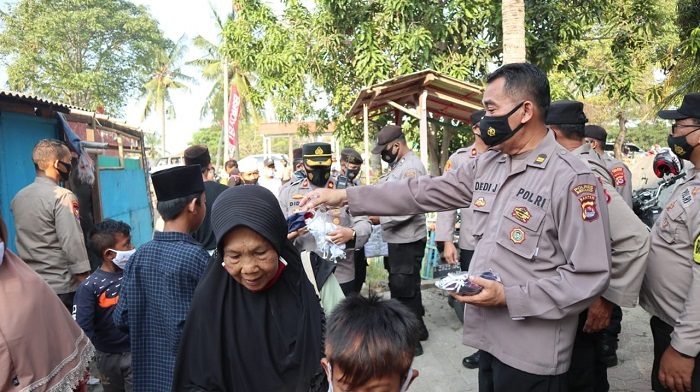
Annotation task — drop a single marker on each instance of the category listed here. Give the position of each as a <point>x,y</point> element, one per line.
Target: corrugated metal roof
<point>36,100</point>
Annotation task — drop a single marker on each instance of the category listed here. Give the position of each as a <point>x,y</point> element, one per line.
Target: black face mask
<point>680,145</point>
<point>496,130</point>
<point>66,174</point>
<point>352,174</point>
<point>389,156</point>
<point>319,176</point>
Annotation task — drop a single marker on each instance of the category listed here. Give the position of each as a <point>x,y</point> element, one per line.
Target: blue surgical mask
<point>122,257</point>
<point>404,387</point>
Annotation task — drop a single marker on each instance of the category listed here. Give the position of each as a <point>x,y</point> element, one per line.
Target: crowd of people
<point>236,293</point>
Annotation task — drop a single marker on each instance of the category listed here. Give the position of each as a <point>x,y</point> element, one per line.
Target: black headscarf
<point>238,340</point>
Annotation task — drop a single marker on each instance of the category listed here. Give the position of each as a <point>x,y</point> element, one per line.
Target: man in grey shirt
<point>47,220</point>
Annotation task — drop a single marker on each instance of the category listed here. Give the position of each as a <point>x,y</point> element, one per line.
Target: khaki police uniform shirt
<point>622,176</point>
<point>290,197</point>
<point>49,238</point>
<point>671,288</point>
<point>629,237</point>
<point>534,226</point>
<point>445,225</point>
<point>406,228</point>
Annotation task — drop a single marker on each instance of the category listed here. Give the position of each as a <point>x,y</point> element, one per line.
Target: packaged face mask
<point>122,257</point>
<point>461,283</point>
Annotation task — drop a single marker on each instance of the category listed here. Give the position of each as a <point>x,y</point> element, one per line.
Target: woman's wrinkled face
<point>249,258</point>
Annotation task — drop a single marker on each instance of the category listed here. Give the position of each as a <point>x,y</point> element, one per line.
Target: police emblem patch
<point>619,175</point>
<point>330,185</point>
<point>336,221</point>
<point>517,235</point>
<point>491,132</point>
<point>521,214</point>
<point>670,206</point>
<point>76,209</point>
<point>589,212</point>
<point>335,212</point>
<point>679,150</point>
<point>448,165</point>
<point>480,202</point>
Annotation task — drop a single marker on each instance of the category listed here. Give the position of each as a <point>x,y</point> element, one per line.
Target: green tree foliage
<point>250,141</point>
<point>311,63</point>
<point>87,53</point>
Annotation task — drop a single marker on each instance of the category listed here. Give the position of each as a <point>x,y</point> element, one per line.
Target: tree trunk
<point>162,127</point>
<point>513,22</point>
<point>433,151</point>
<point>447,135</point>
<point>622,122</point>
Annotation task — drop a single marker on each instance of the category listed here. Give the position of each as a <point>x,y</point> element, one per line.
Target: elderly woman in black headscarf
<point>255,323</point>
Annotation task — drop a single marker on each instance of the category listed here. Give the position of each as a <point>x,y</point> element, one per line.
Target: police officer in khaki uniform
<point>671,288</point>
<point>536,210</point>
<point>596,136</point>
<point>445,225</point>
<point>47,221</point>
<point>353,231</point>
<point>629,244</point>
<point>350,166</point>
<point>406,234</point>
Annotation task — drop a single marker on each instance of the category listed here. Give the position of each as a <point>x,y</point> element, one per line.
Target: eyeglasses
<point>674,126</point>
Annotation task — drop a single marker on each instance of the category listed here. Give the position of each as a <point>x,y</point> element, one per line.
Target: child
<point>96,300</point>
<point>370,345</point>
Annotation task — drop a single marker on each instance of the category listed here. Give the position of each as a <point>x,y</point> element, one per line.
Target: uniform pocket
<point>521,228</point>
<point>479,212</point>
<point>667,226</point>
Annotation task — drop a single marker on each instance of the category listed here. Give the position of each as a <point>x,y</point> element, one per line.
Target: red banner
<point>234,111</point>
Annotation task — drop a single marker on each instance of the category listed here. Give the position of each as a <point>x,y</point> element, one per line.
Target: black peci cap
<point>197,155</point>
<point>595,132</point>
<point>351,156</point>
<point>176,182</point>
<point>566,112</point>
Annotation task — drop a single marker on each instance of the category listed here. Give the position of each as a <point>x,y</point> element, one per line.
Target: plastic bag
<point>460,283</point>
<point>319,227</point>
<point>375,246</point>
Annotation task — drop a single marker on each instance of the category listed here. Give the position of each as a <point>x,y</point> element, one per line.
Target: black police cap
<point>566,112</point>
<point>595,132</point>
<point>387,135</point>
<point>690,108</point>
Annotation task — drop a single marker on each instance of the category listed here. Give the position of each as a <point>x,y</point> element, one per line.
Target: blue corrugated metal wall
<point>125,197</point>
<point>18,135</point>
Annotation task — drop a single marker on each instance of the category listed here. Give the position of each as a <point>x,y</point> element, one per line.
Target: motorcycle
<point>648,202</point>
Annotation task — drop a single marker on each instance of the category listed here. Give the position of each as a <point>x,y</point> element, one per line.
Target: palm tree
<point>212,66</point>
<point>166,76</point>
<point>513,22</point>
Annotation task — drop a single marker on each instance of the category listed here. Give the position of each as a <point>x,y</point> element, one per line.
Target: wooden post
<point>423,113</point>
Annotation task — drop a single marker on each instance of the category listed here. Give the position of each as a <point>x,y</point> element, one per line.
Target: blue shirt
<point>157,289</point>
<point>93,306</point>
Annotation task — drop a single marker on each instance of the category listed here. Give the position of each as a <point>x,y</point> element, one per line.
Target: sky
<point>175,17</point>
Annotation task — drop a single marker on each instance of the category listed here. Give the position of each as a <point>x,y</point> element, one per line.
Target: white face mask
<point>122,257</point>
<point>2,252</point>
<point>404,387</point>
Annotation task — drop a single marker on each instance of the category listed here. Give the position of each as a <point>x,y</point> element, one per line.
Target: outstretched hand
<point>328,197</point>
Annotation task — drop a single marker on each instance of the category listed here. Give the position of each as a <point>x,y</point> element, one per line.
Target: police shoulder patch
<point>618,174</point>
<point>410,174</point>
<point>589,211</point>
<point>448,165</point>
<point>76,209</point>
<point>583,188</point>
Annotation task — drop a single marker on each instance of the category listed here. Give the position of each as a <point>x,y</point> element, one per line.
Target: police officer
<point>47,222</point>
<point>535,208</point>
<point>353,231</point>
<point>445,225</point>
<point>671,288</point>
<point>350,167</point>
<point>596,136</point>
<point>406,234</point>
<point>629,242</point>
